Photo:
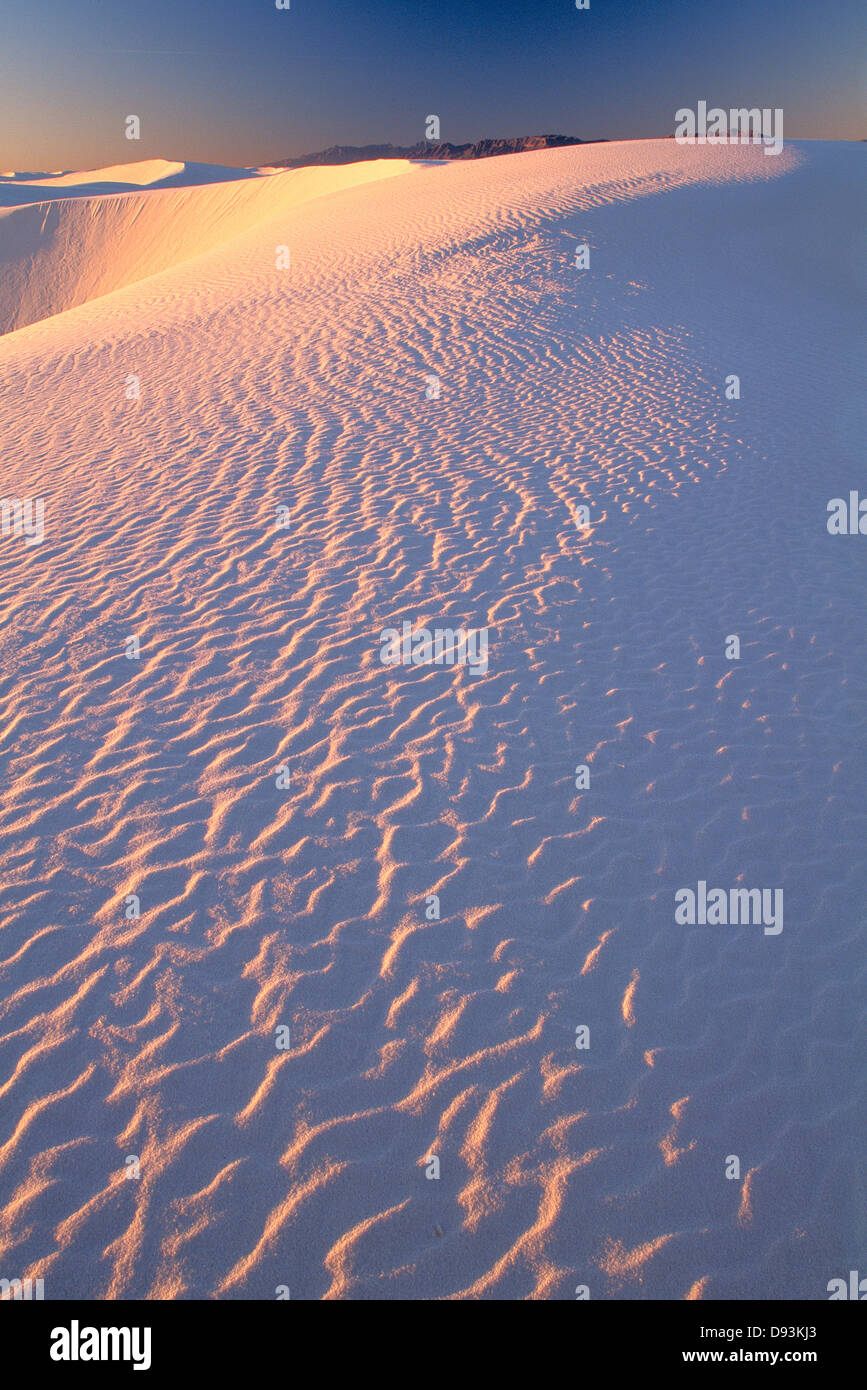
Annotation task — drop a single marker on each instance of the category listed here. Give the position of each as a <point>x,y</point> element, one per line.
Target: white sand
<point>61,251</point>
<point>305,387</point>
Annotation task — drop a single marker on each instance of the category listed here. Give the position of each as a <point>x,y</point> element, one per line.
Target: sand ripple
<point>153,1037</point>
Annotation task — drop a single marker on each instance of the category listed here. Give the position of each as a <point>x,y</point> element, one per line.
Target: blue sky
<point>240,82</point>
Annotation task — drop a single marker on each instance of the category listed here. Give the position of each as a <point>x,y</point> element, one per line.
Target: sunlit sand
<point>218,384</point>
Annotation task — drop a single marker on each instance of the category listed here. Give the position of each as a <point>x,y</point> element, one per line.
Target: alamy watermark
<point>721,907</point>
<point>856,1287</point>
<point>23,517</point>
<point>22,1290</point>
<point>847,520</point>
<point>77,1343</point>
<point>442,646</point>
<point>740,126</point>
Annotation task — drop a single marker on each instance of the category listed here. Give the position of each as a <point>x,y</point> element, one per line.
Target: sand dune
<point>119,178</point>
<point>148,1044</point>
<point>74,238</point>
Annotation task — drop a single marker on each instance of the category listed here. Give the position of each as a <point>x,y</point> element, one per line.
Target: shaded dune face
<point>303,906</point>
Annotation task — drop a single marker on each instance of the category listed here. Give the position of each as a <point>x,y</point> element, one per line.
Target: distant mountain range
<point>428,149</point>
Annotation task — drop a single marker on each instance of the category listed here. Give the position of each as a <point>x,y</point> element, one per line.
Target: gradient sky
<point>239,82</point>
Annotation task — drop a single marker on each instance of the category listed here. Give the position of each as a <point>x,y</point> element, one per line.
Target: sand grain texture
<point>260,907</point>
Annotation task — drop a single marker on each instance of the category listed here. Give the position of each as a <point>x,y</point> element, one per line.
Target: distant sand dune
<point>60,252</point>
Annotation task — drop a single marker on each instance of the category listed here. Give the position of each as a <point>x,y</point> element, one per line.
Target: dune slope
<point>171,899</point>
<point>92,237</point>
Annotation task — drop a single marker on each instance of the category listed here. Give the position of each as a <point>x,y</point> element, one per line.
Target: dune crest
<point>71,238</point>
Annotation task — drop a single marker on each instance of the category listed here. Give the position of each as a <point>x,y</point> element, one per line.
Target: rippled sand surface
<point>149,1044</point>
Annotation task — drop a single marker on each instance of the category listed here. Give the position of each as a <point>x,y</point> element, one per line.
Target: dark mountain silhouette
<point>429,149</point>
